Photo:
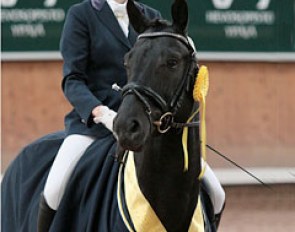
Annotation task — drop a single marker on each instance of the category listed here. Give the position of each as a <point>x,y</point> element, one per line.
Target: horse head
<point>161,70</point>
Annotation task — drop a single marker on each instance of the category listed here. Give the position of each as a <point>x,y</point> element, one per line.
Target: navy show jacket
<point>93,46</point>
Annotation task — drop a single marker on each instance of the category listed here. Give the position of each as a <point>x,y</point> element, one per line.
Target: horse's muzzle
<point>130,131</point>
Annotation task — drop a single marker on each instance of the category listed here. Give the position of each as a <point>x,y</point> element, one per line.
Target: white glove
<point>104,115</point>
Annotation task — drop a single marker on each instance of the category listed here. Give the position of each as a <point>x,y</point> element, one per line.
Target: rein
<point>146,94</point>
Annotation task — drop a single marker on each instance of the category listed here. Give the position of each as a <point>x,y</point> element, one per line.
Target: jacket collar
<point>97,4</point>
<point>107,17</point>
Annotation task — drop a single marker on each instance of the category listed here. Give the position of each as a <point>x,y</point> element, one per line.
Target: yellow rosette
<point>200,92</point>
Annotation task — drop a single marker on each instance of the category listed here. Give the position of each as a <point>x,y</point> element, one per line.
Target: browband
<point>179,37</point>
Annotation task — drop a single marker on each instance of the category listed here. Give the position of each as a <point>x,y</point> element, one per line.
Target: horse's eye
<point>172,63</point>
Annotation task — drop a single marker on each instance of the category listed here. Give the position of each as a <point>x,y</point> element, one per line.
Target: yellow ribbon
<point>199,94</point>
<point>184,141</point>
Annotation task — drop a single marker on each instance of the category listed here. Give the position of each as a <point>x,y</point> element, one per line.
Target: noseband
<point>144,93</point>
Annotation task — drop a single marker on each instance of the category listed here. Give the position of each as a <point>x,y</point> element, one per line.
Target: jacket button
<point>83,121</point>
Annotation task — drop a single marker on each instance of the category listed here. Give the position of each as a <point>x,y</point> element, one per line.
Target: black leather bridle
<point>146,94</point>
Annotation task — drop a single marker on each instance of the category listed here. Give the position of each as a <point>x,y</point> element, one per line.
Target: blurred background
<point>249,48</point>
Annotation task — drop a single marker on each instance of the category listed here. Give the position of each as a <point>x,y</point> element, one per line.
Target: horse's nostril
<point>134,126</point>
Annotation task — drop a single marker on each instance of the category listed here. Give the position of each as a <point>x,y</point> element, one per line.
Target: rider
<point>95,38</point>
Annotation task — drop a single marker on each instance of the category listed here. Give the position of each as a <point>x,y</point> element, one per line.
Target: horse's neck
<point>171,192</point>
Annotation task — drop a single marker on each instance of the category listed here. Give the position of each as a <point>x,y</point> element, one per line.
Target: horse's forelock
<point>160,25</point>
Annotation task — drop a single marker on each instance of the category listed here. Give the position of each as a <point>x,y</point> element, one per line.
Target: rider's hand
<point>104,115</point>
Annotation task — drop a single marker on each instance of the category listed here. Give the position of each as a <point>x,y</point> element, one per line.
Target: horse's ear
<point>180,16</point>
<point>139,22</point>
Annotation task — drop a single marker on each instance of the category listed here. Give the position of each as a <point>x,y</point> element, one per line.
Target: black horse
<point>157,101</point>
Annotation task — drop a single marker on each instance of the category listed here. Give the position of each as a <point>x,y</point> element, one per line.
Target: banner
<point>239,26</point>
<point>30,26</point>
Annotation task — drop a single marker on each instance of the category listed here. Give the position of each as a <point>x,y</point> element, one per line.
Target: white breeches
<point>70,152</point>
<point>73,148</point>
<point>214,188</point>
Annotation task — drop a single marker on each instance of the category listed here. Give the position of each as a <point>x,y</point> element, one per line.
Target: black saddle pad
<point>89,203</point>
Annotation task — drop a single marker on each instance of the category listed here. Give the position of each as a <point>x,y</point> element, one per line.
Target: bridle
<point>146,94</point>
